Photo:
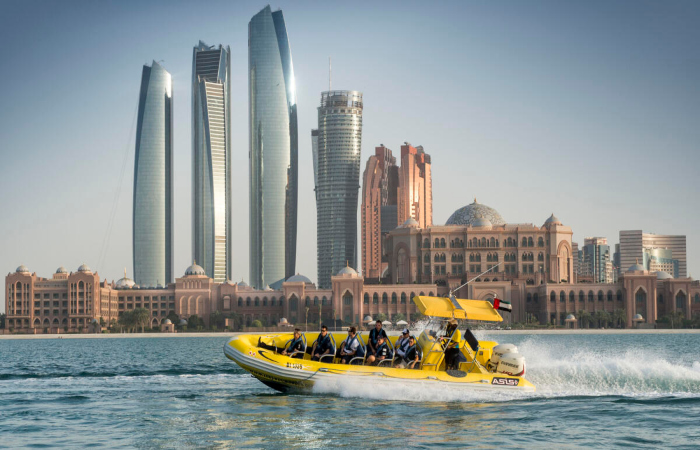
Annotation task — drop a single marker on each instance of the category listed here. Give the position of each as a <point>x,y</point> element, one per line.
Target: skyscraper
<point>636,246</point>
<point>379,216</point>
<point>273,150</point>
<point>211,160</point>
<point>153,180</point>
<point>595,263</point>
<point>415,186</point>
<point>339,137</point>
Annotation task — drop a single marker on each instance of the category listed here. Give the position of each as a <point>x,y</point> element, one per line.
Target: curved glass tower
<point>211,160</point>
<point>273,150</point>
<point>153,180</point>
<point>338,141</point>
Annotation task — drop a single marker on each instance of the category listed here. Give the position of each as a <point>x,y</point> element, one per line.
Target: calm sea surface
<point>592,390</point>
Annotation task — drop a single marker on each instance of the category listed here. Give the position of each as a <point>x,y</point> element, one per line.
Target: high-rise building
<point>595,263</point>
<point>273,150</point>
<point>211,160</point>
<point>379,215</point>
<point>153,180</point>
<point>337,164</point>
<point>415,197</point>
<point>634,244</point>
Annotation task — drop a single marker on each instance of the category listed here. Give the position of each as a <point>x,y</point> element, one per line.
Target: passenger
<point>349,347</point>
<point>453,353</point>
<point>322,346</point>
<point>411,357</point>
<point>383,352</point>
<point>295,345</point>
<point>373,336</point>
<point>402,343</point>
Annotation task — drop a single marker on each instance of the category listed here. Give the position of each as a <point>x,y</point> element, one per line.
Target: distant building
<point>415,196</point>
<point>211,160</point>
<point>153,180</point>
<point>273,152</point>
<point>633,244</point>
<point>595,261</point>
<point>339,138</point>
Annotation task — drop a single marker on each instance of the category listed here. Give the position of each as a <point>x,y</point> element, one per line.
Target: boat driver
<point>296,344</point>
<point>322,346</point>
<point>453,354</point>
<point>349,347</point>
<point>383,352</point>
<point>374,336</point>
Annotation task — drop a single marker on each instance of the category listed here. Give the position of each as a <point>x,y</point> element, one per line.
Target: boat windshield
<point>435,327</point>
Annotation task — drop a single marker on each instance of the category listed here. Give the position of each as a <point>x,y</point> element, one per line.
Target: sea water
<point>639,390</point>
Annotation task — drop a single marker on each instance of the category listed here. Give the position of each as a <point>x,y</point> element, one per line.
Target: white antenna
<point>329,73</point>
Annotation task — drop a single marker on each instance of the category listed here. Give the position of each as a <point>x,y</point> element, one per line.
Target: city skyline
<point>617,135</point>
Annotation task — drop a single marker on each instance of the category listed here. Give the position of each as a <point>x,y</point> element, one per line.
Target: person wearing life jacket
<point>381,353</point>
<point>349,347</point>
<point>402,343</point>
<point>411,357</point>
<point>295,345</point>
<point>322,346</point>
<point>453,354</point>
<point>373,336</point>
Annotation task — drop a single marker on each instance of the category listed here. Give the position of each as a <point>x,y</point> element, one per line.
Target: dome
<point>467,215</point>
<point>167,322</point>
<point>242,284</point>
<point>552,220</point>
<point>347,270</point>
<point>195,270</point>
<point>183,322</point>
<point>480,221</point>
<point>84,268</point>
<point>636,268</point>
<point>125,283</point>
<point>61,270</point>
<point>283,320</point>
<point>570,318</point>
<point>660,275</point>
<point>95,321</point>
<point>22,269</point>
<point>298,279</point>
<point>410,223</point>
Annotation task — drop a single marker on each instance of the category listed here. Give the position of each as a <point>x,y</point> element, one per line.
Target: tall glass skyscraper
<point>339,138</point>
<point>273,150</point>
<point>153,180</point>
<point>211,160</point>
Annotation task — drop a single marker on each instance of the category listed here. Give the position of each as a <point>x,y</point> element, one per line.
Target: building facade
<point>153,180</point>
<point>273,150</point>
<point>595,263</point>
<point>379,213</point>
<point>339,138</point>
<point>415,196</point>
<point>634,243</point>
<point>211,159</point>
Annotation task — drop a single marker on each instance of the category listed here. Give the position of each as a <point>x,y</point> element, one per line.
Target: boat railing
<point>440,349</point>
<point>473,343</point>
<point>361,340</point>
<point>332,353</point>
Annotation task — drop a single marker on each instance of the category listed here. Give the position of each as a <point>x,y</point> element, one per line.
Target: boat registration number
<point>294,366</point>
<point>505,381</point>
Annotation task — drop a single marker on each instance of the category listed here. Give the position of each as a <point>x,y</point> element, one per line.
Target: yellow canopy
<point>471,309</point>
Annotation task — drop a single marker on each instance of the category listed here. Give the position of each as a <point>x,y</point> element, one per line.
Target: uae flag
<point>502,305</point>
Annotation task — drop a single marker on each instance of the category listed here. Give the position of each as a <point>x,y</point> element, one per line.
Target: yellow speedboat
<point>485,365</point>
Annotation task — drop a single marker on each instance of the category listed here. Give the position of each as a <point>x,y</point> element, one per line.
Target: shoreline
<point>12,337</point>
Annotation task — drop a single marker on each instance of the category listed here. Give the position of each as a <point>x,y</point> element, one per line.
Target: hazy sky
<point>588,110</point>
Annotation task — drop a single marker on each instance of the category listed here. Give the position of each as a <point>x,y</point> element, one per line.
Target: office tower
<point>595,260</point>
<point>211,160</point>
<point>577,257</point>
<point>153,180</point>
<point>634,244</point>
<point>415,198</point>
<point>379,190</point>
<point>273,150</point>
<point>338,174</point>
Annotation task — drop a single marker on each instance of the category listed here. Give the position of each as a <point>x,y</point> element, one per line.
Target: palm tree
<point>619,317</point>
<point>585,317</point>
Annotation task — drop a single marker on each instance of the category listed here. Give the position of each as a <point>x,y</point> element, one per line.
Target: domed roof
<point>242,284</point>
<point>283,320</point>
<point>661,275</point>
<point>298,278</point>
<point>467,215</point>
<point>636,267</point>
<point>84,268</point>
<point>183,322</point>
<point>167,322</point>
<point>481,221</point>
<point>195,270</point>
<point>552,219</point>
<point>61,270</point>
<point>22,269</point>
<point>124,283</point>
<point>410,223</point>
<point>347,270</point>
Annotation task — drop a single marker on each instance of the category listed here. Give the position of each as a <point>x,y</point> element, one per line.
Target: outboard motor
<point>506,359</point>
<point>500,350</point>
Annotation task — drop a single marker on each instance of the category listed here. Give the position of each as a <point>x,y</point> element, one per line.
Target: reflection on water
<point>165,393</point>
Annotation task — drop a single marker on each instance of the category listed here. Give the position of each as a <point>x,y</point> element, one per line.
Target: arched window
<point>600,296</point>
<point>437,257</point>
<point>366,299</point>
<point>315,301</point>
<point>540,257</point>
<point>264,301</point>
<point>431,294</point>
<point>308,301</point>
<point>478,257</point>
<point>385,299</point>
<point>492,242</point>
<point>273,301</point>
<point>619,296</point>
<point>540,242</point>
<point>282,302</point>
<point>442,243</point>
<point>324,301</point>
<point>640,300</point>
<point>497,243</point>
<point>562,297</point>
<point>475,242</point>
<point>426,243</point>
<point>240,302</point>
<point>393,298</point>
<point>426,258</point>
<point>471,257</point>
<point>257,301</point>
<point>660,299</point>
<point>610,296</point>
<point>437,243</point>
<point>680,301</point>
<point>572,297</point>
<point>552,297</point>
<point>483,242</point>
<point>590,296</point>
<point>495,257</point>
<point>524,244</point>
<point>581,297</point>
<point>403,297</point>
<point>696,298</point>
<point>375,299</point>
<point>443,257</point>
<point>413,294</point>
<point>247,301</point>
<point>529,242</point>
<point>529,297</point>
